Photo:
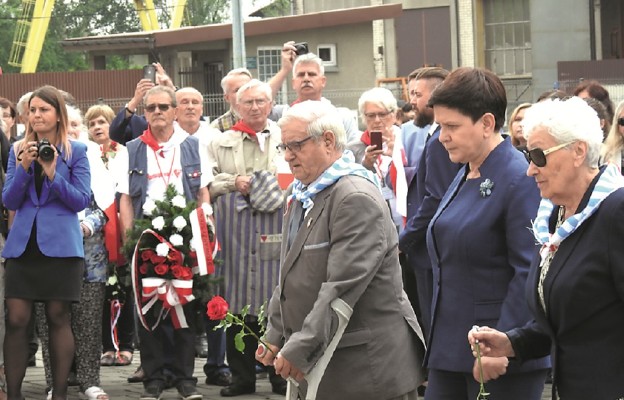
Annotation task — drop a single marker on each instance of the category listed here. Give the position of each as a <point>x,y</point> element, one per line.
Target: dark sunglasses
<point>161,107</point>
<point>538,156</point>
<point>293,146</point>
<point>621,121</point>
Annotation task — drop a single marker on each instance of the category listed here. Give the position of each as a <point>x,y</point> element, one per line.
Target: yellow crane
<point>33,22</point>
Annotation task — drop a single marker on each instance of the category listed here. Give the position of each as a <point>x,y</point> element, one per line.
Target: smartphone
<point>149,72</point>
<point>376,140</point>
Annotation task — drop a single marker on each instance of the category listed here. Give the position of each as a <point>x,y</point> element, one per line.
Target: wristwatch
<point>128,109</point>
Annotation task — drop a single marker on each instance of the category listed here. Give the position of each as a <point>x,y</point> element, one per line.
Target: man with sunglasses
<point>248,214</point>
<point>164,156</point>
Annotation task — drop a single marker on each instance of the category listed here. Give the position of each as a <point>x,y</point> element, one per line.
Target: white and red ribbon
<point>206,249</point>
<point>174,293</point>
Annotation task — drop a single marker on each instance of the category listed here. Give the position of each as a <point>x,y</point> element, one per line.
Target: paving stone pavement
<point>113,381</point>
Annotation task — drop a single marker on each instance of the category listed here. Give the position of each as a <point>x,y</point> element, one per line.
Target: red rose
<point>182,272</point>
<point>161,269</point>
<point>217,308</point>
<point>156,259</point>
<point>147,254</point>
<point>187,273</point>
<point>143,269</point>
<point>175,257</point>
<point>177,271</point>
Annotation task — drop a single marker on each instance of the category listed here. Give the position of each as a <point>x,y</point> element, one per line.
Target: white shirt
<point>164,167</point>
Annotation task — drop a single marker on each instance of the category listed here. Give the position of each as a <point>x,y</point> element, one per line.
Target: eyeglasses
<point>621,121</point>
<point>293,146</point>
<point>250,103</point>
<point>538,156</point>
<point>380,115</point>
<point>162,107</point>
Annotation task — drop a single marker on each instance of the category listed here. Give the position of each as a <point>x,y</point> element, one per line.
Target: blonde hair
<point>614,141</point>
<point>99,110</point>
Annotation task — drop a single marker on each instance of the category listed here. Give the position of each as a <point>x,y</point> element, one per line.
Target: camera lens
<point>301,48</point>
<point>46,151</point>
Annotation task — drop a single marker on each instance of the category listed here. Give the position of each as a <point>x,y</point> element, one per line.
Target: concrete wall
<point>355,70</point>
<point>560,31</point>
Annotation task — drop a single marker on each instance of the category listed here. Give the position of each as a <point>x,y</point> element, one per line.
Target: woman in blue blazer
<point>47,184</point>
<point>575,287</point>
<point>479,243</point>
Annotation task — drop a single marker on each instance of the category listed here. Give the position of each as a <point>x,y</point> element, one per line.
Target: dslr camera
<point>45,150</point>
<point>301,48</point>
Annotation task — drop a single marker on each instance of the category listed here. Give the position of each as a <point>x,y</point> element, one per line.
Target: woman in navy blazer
<point>575,287</point>
<point>44,252</point>
<point>479,243</point>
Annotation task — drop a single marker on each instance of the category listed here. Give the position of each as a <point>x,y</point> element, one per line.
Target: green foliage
<point>278,8</point>
<point>205,12</point>
<point>117,62</point>
<point>78,18</point>
<point>239,339</point>
<point>9,11</point>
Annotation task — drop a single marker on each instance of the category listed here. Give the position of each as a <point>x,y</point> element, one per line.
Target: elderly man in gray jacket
<point>339,242</point>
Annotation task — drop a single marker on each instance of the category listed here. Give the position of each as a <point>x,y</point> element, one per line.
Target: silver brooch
<point>485,189</point>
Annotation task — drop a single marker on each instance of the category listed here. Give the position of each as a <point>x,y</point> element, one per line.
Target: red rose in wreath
<point>143,269</point>
<point>161,269</point>
<point>156,259</point>
<point>175,257</point>
<point>181,272</point>
<point>187,273</point>
<point>146,255</point>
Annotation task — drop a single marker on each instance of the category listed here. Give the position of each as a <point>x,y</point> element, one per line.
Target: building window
<point>269,62</point>
<point>507,37</point>
<point>327,53</point>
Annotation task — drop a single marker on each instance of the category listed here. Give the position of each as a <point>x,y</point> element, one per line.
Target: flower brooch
<point>485,188</point>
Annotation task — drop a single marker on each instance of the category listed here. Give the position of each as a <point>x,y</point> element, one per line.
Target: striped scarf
<point>343,166</point>
<point>609,181</point>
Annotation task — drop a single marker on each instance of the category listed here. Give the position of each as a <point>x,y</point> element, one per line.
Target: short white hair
<point>265,88</point>
<point>74,114</point>
<point>234,72</point>
<point>22,104</point>
<point>379,96</point>
<point>566,120</point>
<point>319,116</point>
<point>308,58</point>
<point>190,89</point>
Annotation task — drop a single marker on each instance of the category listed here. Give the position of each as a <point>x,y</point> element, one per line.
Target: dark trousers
<point>216,344</point>
<point>409,286</point>
<point>177,353</point>
<point>447,385</point>
<point>424,288</point>
<point>243,365</point>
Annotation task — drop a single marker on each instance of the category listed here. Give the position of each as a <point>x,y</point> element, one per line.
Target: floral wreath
<point>171,248</point>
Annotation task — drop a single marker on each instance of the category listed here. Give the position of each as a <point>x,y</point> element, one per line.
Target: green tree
<point>278,8</point>
<point>9,12</point>
<point>79,18</point>
<point>205,12</point>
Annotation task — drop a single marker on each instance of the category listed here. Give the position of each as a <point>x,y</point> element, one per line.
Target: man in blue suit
<point>433,175</point>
